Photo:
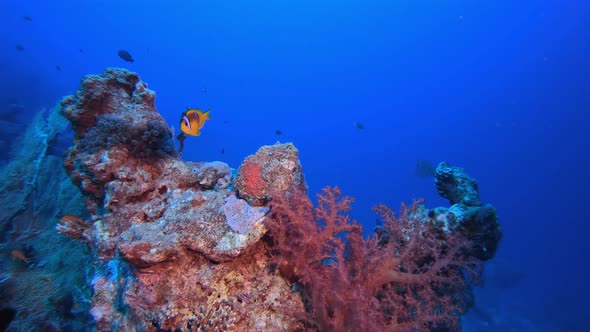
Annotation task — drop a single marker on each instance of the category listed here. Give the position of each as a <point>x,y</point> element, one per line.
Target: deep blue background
<point>501,88</point>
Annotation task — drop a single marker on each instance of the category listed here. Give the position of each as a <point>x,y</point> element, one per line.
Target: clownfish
<point>192,121</point>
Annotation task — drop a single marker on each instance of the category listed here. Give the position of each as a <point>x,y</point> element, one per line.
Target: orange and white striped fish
<point>192,120</point>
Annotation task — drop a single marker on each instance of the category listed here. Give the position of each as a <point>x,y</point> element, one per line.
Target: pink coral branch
<point>392,281</point>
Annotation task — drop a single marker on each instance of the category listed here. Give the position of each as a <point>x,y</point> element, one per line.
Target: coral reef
<point>179,249</point>
<point>40,274</point>
<point>185,246</point>
<point>12,126</point>
<point>23,178</point>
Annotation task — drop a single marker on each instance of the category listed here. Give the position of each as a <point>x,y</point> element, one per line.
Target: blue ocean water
<point>364,89</point>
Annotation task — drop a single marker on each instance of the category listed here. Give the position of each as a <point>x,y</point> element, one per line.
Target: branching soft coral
<point>418,271</point>
<point>407,277</point>
<point>310,248</point>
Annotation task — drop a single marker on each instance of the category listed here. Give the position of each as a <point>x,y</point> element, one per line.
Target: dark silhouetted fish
<point>58,67</point>
<point>125,56</point>
<point>278,132</point>
<point>222,150</point>
<point>27,18</point>
<point>6,317</point>
<point>424,169</point>
<point>359,125</point>
<point>20,47</point>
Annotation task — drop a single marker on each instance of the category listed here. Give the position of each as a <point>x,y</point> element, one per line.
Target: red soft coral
<point>309,248</point>
<point>416,270</point>
<point>407,277</point>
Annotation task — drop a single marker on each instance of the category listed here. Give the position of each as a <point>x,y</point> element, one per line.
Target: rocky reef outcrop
<point>476,220</point>
<point>180,248</point>
<point>184,246</point>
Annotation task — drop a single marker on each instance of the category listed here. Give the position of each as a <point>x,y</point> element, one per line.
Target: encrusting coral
<point>186,246</point>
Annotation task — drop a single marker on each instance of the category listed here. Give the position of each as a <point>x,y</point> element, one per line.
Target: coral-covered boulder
<point>467,213</point>
<point>455,185</point>
<point>115,122</point>
<point>273,168</point>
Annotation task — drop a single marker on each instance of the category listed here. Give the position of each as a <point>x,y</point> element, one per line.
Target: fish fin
<point>206,115</point>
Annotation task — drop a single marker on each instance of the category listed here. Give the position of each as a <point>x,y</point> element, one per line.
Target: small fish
<point>27,18</point>
<point>192,121</point>
<point>359,125</point>
<point>278,132</point>
<point>20,256</point>
<point>424,169</point>
<point>70,218</point>
<point>20,47</point>
<point>58,67</point>
<point>222,151</point>
<point>81,50</point>
<point>125,55</point>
